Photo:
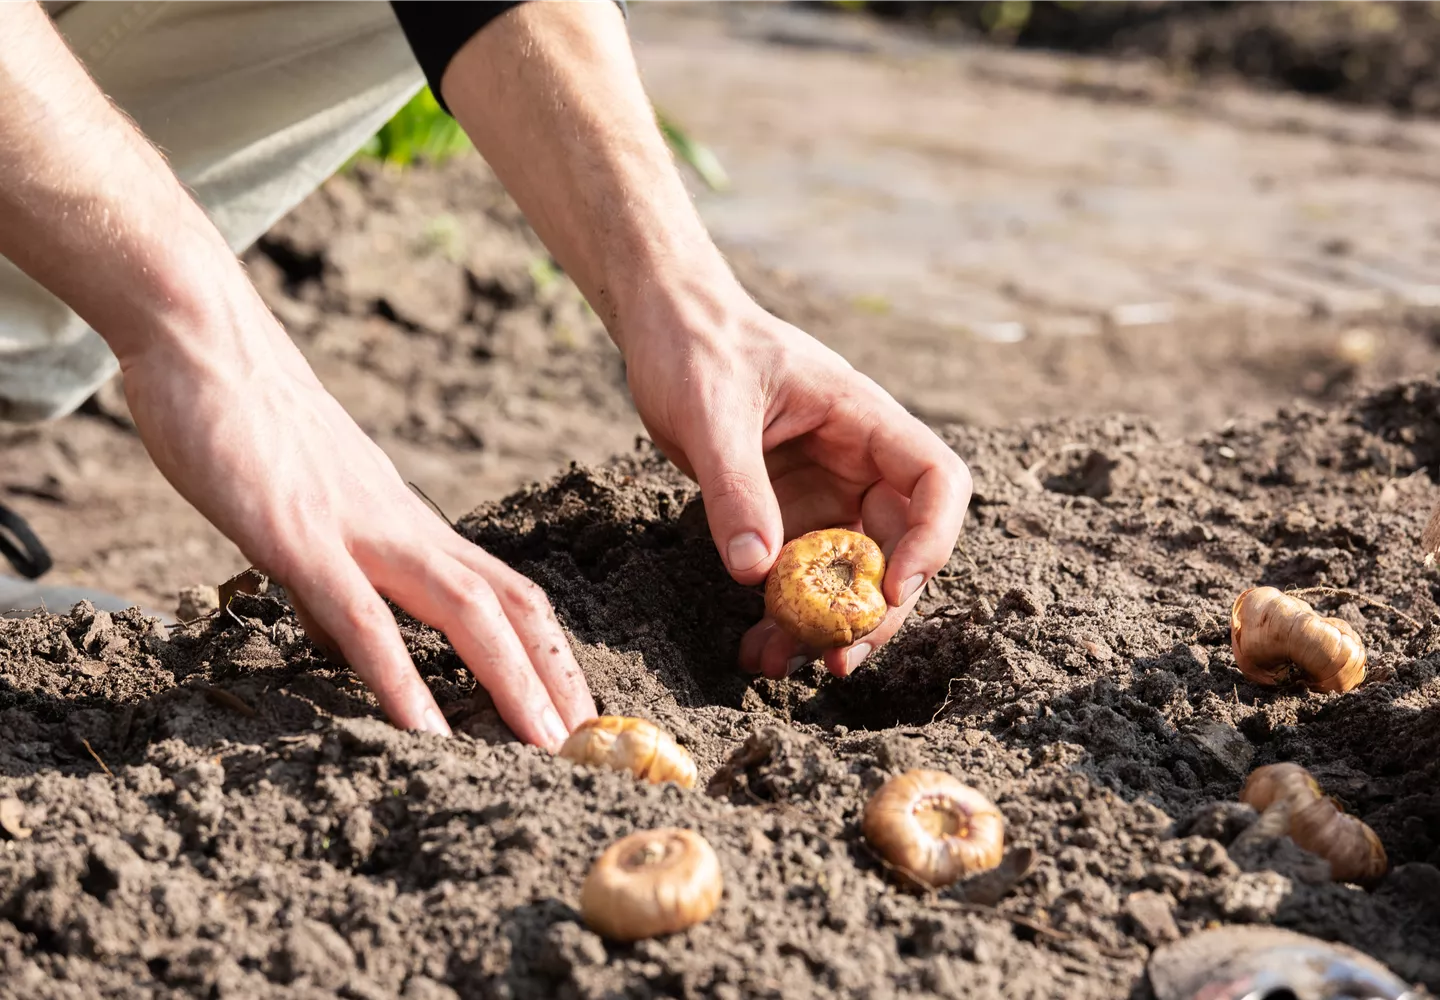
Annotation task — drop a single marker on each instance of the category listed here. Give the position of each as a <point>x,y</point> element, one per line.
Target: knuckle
<point>728,486</point>
<point>958,473</point>
<point>528,598</point>
<point>357,614</point>
<point>364,617</point>
<point>469,592</point>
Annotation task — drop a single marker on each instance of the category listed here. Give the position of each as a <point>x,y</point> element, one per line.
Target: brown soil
<point>260,833</point>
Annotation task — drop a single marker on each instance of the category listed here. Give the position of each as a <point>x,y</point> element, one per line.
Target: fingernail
<point>745,551</point>
<point>911,585</point>
<point>855,657</point>
<point>554,729</point>
<point>795,663</point>
<point>434,722</point>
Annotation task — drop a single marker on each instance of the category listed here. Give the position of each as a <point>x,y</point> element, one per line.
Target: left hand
<point>785,437</point>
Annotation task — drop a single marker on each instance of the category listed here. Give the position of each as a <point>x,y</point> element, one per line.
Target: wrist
<point>674,292</point>
<point>194,308</point>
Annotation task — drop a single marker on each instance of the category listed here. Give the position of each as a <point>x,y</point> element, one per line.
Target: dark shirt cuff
<point>437,29</point>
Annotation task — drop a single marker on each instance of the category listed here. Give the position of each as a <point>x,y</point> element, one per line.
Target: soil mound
<point>217,811</point>
<point>427,291</point>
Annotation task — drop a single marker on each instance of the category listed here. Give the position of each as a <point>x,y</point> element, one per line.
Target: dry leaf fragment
<point>1026,526</point>
<point>989,887</point>
<point>250,581</point>
<point>12,819</point>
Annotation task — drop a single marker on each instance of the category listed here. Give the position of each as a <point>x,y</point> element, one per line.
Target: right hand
<point>274,462</point>
<point>785,437</point>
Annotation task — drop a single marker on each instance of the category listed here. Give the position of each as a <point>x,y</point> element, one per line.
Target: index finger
<point>915,463</point>
<point>357,620</point>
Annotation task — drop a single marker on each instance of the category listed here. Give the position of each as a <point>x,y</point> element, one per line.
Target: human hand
<point>232,414</point>
<point>785,437</point>
<point>273,461</point>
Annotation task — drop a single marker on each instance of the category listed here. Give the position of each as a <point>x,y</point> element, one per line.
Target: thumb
<point>739,502</point>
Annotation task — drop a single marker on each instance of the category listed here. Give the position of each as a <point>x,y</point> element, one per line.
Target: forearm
<point>551,96</point>
<point>91,211</point>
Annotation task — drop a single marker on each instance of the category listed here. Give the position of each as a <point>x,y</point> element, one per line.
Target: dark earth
<point>214,810</point>
<point>260,833</point>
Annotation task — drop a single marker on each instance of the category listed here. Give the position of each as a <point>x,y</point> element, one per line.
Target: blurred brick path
<point>1026,195</point>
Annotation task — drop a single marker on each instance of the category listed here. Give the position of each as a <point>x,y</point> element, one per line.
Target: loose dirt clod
<point>635,745</point>
<point>1274,635</point>
<point>12,819</point>
<point>824,589</point>
<point>194,603</point>
<point>1316,822</point>
<point>933,829</point>
<point>652,883</point>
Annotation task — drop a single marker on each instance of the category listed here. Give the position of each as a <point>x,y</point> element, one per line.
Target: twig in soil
<point>950,694</point>
<point>224,699</point>
<point>1340,592</point>
<point>97,758</point>
<point>989,911</point>
<point>198,618</point>
<point>433,505</point>
<point>968,558</point>
<point>932,899</point>
<point>948,699</point>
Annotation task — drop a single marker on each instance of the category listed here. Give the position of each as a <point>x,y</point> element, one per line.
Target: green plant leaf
<point>699,157</point>
<point>421,130</point>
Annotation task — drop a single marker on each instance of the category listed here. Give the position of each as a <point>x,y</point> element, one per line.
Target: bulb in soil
<point>824,589</point>
<point>934,829</point>
<point>622,743</point>
<point>651,883</point>
<point>1317,823</point>
<point>1277,638</point>
<point>1279,783</point>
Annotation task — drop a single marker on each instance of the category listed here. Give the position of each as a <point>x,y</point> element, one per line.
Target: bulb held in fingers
<point>1317,823</point>
<point>651,883</point>
<point>934,829</point>
<point>623,743</point>
<point>1277,637</point>
<point>824,588</point>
